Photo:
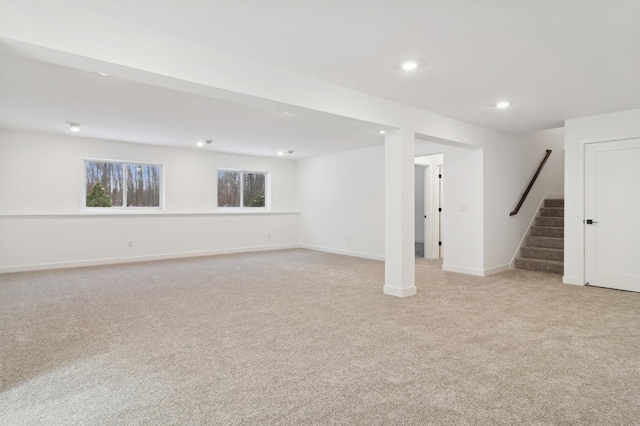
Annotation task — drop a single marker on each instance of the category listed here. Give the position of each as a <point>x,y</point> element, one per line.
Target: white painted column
<point>399,264</point>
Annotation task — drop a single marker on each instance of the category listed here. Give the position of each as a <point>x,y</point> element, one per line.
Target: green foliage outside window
<point>257,201</point>
<point>98,197</point>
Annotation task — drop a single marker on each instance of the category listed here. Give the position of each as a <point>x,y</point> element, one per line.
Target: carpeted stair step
<point>543,248</point>
<point>547,231</point>
<point>554,203</point>
<point>552,211</point>
<point>542,253</point>
<point>553,266</point>
<point>550,221</point>
<point>548,242</point>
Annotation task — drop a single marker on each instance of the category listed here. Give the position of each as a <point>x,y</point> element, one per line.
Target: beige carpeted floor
<point>302,337</point>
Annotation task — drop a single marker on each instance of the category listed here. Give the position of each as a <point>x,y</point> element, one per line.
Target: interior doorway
<point>428,206</point>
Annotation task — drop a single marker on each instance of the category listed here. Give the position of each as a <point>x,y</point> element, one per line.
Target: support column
<point>399,245</point>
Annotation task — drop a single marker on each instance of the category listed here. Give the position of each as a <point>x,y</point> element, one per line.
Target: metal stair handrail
<point>533,180</point>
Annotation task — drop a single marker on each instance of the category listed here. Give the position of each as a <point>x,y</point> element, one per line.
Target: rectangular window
<point>121,184</point>
<point>242,189</point>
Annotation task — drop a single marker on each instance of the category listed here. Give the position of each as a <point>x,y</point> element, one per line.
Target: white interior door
<point>612,214</point>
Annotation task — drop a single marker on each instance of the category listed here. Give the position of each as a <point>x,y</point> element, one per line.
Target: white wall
<point>54,34</point>
<point>341,200</point>
<point>620,125</point>
<point>340,197</point>
<point>43,224</point>
<point>50,170</point>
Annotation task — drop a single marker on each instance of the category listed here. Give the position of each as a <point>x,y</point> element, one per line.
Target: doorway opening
<point>428,206</point>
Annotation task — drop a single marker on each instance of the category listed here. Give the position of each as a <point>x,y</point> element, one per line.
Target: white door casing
<point>427,211</point>
<point>440,204</point>
<point>432,202</point>
<point>612,203</point>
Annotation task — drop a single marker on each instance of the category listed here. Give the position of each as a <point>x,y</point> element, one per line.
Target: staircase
<point>543,249</point>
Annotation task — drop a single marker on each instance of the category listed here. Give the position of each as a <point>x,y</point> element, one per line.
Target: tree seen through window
<point>124,184</point>
<point>241,189</point>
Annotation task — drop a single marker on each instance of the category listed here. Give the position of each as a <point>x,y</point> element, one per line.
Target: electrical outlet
<point>130,244</point>
<point>348,239</point>
<point>269,236</point>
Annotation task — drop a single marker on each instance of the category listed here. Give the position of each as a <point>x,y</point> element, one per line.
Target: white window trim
<point>123,208</point>
<point>267,190</point>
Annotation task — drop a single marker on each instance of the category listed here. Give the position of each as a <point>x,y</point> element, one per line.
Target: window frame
<point>267,190</point>
<point>124,206</point>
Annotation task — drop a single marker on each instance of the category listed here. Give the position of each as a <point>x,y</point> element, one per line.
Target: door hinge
<point>439,243</point>
<point>439,176</point>
<point>439,209</point>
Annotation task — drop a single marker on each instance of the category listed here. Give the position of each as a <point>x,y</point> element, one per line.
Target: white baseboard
<point>496,270</point>
<point>571,280</point>
<point>399,292</point>
<point>462,270</point>
<point>343,252</point>
<point>476,272</point>
<point>112,261</point>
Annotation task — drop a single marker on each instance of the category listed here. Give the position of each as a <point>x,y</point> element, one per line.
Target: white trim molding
<point>496,270</point>
<point>343,252</point>
<point>462,270</point>
<point>571,280</point>
<point>120,260</point>
<point>399,292</point>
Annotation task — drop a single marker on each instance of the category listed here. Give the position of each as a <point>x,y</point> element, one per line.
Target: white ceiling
<point>554,60</point>
<point>43,97</point>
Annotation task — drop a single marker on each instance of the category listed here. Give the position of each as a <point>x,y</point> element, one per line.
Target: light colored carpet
<point>302,337</point>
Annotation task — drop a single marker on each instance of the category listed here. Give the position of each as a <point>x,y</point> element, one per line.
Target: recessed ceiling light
<point>281,153</point>
<point>409,65</point>
<point>200,143</point>
<point>382,132</point>
<point>503,104</point>
<point>74,127</point>
<point>104,74</point>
